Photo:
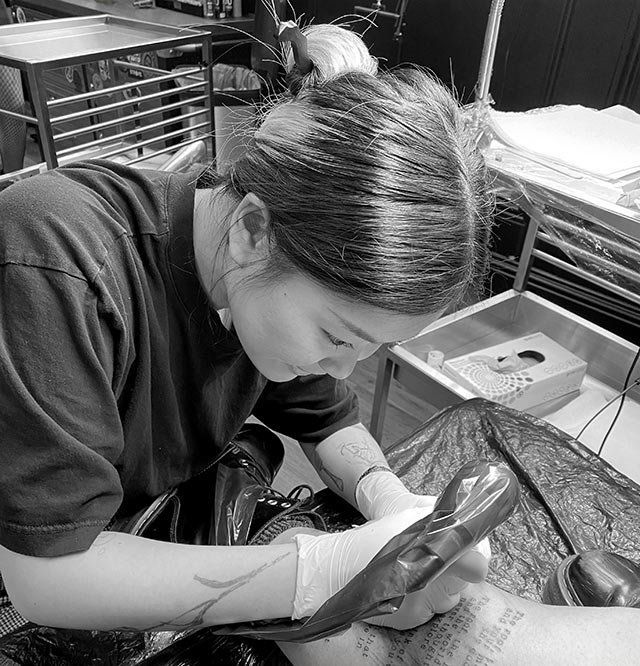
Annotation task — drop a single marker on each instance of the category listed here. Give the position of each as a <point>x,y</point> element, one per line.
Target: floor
<point>404,414</point>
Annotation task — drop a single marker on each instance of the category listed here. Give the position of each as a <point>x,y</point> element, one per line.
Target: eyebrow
<point>352,328</point>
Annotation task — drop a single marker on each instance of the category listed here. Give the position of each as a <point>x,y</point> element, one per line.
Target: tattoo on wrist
<point>371,470</point>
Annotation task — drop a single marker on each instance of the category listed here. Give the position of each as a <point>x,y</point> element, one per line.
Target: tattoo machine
<point>480,497</point>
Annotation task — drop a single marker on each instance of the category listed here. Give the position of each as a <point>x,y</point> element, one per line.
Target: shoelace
<point>292,499</point>
<point>291,503</point>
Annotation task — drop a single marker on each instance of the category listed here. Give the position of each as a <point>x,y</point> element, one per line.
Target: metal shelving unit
<point>132,109</point>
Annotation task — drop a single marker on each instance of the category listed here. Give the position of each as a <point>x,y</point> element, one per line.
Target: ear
<point>248,231</point>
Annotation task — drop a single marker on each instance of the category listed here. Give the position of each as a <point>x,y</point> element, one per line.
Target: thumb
<point>471,567</point>
<point>425,501</point>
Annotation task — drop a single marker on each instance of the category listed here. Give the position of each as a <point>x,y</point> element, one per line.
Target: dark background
<point>549,51</point>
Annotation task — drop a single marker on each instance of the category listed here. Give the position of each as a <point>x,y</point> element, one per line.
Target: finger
<point>484,547</point>
<point>452,584</point>
<point>425,501</point>
<point>447,604</point>
<point>471,567</point>
<point>287,535</point>
<point>440,597</point>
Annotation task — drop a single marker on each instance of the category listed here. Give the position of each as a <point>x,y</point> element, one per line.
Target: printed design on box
<point>496,386</point>
<point>521,373</point>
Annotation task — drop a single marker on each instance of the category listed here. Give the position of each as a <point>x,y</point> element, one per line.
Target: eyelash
<point>336,342</point>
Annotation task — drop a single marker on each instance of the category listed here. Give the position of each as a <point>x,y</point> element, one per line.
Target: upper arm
<point>59,418</point>
<point>309,409</point>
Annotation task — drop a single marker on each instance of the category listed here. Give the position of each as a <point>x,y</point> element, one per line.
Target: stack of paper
<point>605,144</point>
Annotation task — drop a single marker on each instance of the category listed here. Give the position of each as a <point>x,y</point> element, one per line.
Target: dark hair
<point>374,186</point>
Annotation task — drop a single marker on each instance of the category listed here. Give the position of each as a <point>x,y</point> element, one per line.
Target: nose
<point>339,366</point>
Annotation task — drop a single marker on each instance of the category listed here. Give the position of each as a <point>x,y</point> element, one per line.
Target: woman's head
<point>372,186</point>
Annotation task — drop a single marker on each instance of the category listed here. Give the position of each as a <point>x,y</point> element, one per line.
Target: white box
<point>520,373</point>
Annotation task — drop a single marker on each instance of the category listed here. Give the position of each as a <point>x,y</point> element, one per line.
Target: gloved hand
<point>383,494</point>
<point>328,562</point>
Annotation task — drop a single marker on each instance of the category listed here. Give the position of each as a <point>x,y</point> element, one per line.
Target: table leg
<point>380,396</point>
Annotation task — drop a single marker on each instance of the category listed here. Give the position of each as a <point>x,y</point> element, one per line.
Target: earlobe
<point>248,231</point>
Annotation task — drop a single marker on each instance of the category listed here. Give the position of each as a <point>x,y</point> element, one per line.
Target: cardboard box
<point>520,373</point>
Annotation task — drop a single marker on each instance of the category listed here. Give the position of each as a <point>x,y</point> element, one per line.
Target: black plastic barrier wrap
<point>570,501</point>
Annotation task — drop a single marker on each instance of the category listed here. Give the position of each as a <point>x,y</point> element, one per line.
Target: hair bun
<point>333,51</point>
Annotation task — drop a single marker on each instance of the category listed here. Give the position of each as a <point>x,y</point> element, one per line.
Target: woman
<point>145,316</point>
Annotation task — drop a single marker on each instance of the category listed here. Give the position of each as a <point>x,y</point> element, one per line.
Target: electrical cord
<point>622,394</point>
<point>625,389</point>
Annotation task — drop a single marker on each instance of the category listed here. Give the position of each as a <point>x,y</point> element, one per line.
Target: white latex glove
<point>383,494</point>
<point>328,562</point>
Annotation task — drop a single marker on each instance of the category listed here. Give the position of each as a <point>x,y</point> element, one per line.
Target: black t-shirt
<point>117,378</point>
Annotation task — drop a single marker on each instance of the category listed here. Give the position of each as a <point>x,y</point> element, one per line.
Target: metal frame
<point>142,37</point>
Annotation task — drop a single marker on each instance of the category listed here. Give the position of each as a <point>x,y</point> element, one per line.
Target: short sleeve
<point>308,408</point>
<point>61,431</point>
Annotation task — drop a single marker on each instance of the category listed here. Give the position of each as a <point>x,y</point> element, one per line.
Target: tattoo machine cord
<point>625,388</point>
<point>622,394</point>
<point>523,473</point>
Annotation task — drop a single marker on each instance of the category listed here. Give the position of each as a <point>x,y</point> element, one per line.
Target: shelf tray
<point>60,42</point>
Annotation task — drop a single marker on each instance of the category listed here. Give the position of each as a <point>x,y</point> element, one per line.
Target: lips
<point>301,372</point>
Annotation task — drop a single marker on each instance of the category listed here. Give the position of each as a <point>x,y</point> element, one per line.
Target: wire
<point>624,395</point>
<point>615,397</point>
<point>625,389</point>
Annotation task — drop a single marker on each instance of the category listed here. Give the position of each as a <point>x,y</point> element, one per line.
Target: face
<point>290,327</point>
<point>295,328</point>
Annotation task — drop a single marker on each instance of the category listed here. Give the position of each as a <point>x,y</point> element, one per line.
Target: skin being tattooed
<point>488,627</point>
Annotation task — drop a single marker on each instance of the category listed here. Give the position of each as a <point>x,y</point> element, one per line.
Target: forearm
<point>124,581</point>
<point>341,459</point>
<point>489,626</point>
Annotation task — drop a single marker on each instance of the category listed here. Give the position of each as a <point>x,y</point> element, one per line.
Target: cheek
<point>264,330</point>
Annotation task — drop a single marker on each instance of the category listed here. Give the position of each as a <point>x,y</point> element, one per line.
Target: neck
<point>212,209</point>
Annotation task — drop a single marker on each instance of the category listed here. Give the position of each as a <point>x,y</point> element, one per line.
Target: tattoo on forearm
<point>328,477</point>
<point>361,451</point>
<point>195,617</point>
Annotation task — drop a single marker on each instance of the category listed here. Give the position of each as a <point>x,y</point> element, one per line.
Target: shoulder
<point>70,217</point>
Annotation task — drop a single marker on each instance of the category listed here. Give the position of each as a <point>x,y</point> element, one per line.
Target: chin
<point>280,377</point>
<point>279,374</point>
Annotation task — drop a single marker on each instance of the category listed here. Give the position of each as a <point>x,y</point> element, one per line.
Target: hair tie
<point>289,31</point>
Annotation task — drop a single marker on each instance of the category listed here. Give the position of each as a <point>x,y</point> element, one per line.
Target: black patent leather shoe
<point>594,578</point>
<point>216,506</point>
